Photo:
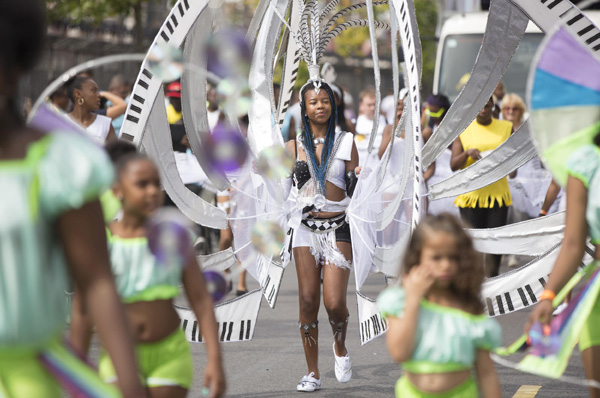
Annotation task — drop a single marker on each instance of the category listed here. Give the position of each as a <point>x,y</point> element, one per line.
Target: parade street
<point>271,364</point>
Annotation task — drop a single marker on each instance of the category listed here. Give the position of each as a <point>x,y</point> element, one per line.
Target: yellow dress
<point>485,138</point>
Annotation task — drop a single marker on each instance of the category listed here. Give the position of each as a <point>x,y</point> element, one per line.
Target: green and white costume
<point>140,277</point>
<point>584,164</point>
<point>447,340</point>
<point>59,173</point>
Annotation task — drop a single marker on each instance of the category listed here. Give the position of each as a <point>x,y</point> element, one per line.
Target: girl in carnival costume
<point>436,326</point>
<point>51,184</point>
<point>325,177</point>
<point>147,286</point>
<point>583,182</point>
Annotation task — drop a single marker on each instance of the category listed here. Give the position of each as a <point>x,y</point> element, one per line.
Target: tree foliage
<point>427,17</point>
<point>95,11</point>
<point>92,11</point>
<point>350,43</point>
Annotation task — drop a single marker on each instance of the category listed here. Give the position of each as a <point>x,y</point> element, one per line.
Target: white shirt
<point>387,108</point>
<point>98,130</point>
<point>213,118</point>
<point>363,135</point>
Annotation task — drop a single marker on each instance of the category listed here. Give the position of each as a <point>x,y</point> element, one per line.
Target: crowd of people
<point>58,182</point>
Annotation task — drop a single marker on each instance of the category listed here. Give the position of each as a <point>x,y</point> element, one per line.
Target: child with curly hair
<point>436,327</point>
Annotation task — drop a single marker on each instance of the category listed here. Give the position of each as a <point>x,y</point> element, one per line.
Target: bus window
<point>459,55</point>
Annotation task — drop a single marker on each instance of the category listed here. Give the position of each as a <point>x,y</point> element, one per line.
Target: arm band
<point>351,180</point>
<point>547,295</point>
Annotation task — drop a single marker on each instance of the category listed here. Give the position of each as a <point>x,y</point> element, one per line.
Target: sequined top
<point>60,172</point>
<point>583,164</point>
<point>447,339</point>
<point>138,275</point>
<point>301,173</point>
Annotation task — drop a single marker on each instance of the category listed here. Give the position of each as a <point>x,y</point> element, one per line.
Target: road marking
<point>527,391</point>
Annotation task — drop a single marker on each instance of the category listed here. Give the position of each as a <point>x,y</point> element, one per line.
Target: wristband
<point>543,212</point>
<point>547,295</point>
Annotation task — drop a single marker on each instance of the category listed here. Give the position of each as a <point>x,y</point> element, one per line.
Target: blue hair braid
<point>319,169</point>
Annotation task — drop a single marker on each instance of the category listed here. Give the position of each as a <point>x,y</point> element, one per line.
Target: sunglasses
<point>435,114</point>
<point>511,108</point>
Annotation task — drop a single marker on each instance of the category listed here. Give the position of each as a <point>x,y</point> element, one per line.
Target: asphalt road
<point>272,363</point>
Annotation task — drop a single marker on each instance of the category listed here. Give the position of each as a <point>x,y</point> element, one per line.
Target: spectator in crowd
<point>438,105</point>
<point>214,111</point>
<point>174,107</point>
<point>118,86</point>
<point>343,124</point>
<point>486,207</point>
<point>498,96</point>
<point>60,100</point>
<point>294,111</point>
<point>364,125</point>
<point>349,105</point>
<point>84,93</point>
<point>391,128</point>
<point>117,106</point>
<point>531,178</point>
<point>387,107</point>
<point>513,110</point>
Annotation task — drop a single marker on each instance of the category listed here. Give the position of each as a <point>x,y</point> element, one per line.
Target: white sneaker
<point>343,367</point>
<point>309,383</point>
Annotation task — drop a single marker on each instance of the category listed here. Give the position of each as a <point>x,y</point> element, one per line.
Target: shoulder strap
<point>295,149</point>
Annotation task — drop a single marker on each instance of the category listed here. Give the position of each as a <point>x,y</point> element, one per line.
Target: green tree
<point>94,11</point>
<point>350,42</point>
<point>426,11</point>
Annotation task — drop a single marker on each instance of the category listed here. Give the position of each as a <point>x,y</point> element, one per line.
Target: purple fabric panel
<point>566,58</point>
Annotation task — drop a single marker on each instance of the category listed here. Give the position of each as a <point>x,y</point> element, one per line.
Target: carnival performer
<point>436,326</point>
<point>51,183</point>
<point>147,287</point>
<point>486,207</point>
<point>325,175</point>
<point>83,92</point>
<point>582,219</point>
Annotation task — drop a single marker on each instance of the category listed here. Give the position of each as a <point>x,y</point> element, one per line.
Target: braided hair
<point>309,145</point>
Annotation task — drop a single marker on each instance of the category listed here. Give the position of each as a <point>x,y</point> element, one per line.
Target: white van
<point>460,39</point>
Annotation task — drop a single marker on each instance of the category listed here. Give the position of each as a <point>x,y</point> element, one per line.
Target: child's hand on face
<point>418,281</point>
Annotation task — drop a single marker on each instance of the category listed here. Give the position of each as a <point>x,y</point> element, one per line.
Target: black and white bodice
<point>341,153</point>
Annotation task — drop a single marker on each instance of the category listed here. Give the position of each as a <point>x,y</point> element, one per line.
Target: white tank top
<point>98,130</point>
<point>213,118</point>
